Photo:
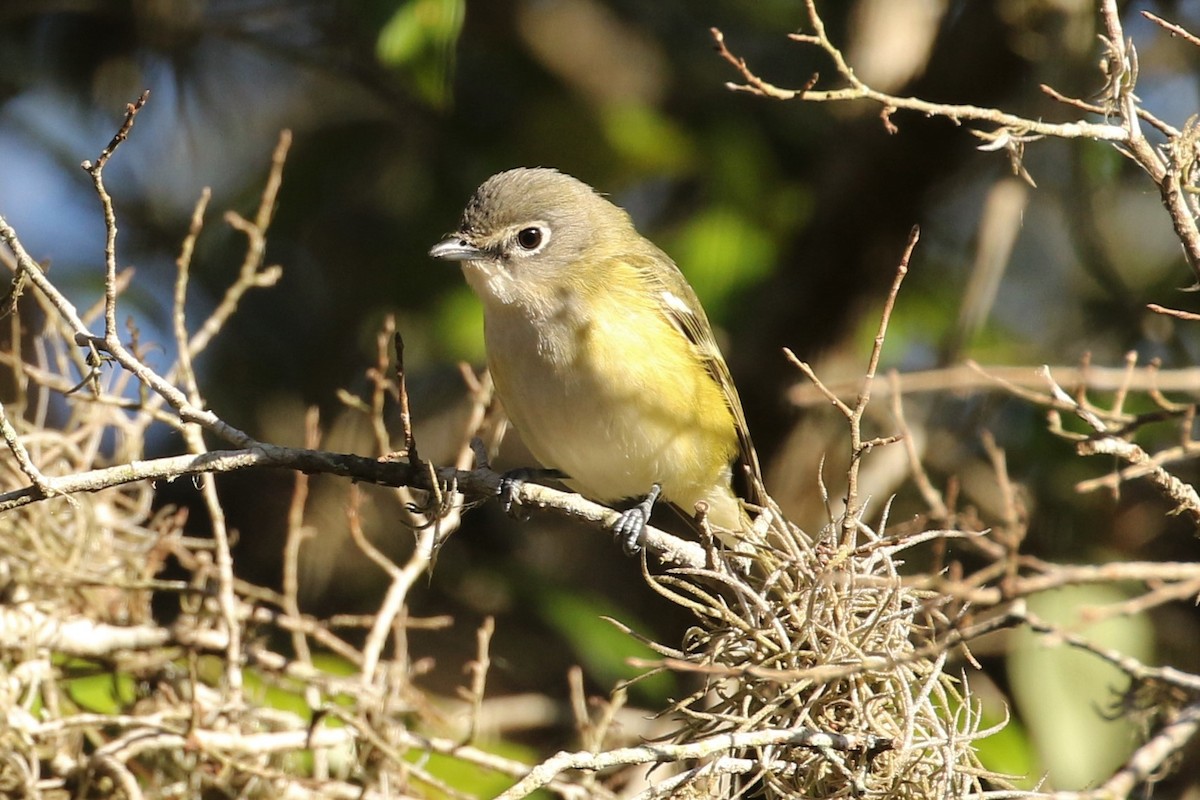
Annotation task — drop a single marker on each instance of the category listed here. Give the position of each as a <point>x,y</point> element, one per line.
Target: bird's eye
<point>530,238</point>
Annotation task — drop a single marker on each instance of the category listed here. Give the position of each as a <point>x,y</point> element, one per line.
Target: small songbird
<point>600,351</point>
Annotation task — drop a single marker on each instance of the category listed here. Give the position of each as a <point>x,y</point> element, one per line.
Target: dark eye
<point>530,238</point>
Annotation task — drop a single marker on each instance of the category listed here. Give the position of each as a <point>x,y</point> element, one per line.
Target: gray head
<point>532,224</point>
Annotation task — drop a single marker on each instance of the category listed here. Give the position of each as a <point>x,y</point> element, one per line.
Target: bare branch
<point>658,753</point>
<point>956,113</point>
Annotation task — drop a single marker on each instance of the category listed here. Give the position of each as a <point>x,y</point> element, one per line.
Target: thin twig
<point>252,274</point>
<point>24,462</point>
<point>858,447</point>
<point>410,442</point>
<point>382,386</point>
<point>971,376</point>
<point>1179,493</point>
<point>402,579</point>
<point>1173,29</point>
<point>1190,316</point>
<point>96,171</point>
<point>1147,761</point>
<point>478,670</point>
<point>179,311</point>
<point>933,498</point>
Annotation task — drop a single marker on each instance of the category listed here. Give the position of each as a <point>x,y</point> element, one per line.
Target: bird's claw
<point>511,482</point>
<point>630,529</point>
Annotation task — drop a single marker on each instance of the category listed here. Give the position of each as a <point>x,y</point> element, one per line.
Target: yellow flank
<point>666,384</point>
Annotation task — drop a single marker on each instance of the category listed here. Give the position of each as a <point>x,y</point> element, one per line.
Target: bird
<point>601,353</point>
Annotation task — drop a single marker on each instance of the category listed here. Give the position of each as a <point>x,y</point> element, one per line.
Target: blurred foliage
<point>96,688</point>
<point>1009,750</point>
<point>471,781</point>
<point>724,252</point>
<point>1083,693</point>
<point>603,649</point>
<point>459,326</point>
<point>419,41</point>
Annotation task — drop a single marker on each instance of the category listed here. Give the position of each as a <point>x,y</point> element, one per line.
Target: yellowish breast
<point>609,391</point>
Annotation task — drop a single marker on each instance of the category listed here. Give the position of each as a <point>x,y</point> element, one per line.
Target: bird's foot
<point>511,481</point>
<point>631,527</point>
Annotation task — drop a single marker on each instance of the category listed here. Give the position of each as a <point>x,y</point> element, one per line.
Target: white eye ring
<point>532,239</point>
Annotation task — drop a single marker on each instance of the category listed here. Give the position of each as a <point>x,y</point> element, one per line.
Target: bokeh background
<point>787,217</point>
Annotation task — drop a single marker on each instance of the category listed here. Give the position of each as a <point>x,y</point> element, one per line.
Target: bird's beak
<point>455,249</point>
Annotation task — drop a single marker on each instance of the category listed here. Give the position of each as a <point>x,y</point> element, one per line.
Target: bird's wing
<point>680,305</point>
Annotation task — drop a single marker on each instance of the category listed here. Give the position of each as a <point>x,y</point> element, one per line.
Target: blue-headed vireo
<point>600,351</point>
